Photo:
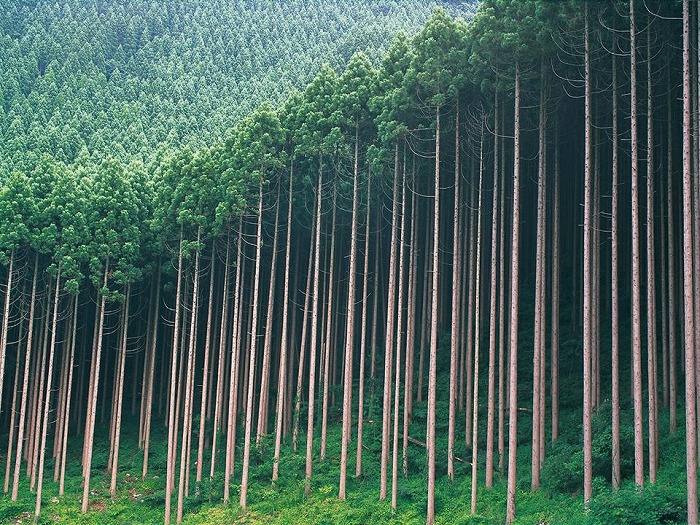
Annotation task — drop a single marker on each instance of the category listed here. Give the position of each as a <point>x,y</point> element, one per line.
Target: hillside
<point>129,78</point>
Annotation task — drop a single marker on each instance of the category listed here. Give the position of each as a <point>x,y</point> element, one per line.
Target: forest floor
<point>142,501</point>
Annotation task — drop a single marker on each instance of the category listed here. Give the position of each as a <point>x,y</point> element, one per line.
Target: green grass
<point>559,502</point>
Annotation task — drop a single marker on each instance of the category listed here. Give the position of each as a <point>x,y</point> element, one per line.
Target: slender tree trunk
<point>6,320</point>
<point>120,393</point>
<point>13,413</point>
<point>477,330</point>
<point>469,340</point>
<point>172,405</point>
<point>314,331</point>
<point>399,340</point>
<point>71,364</point>
<point>328,342</point>
<point>25,384</point>
<point>94,383</point>
<point>235,365</point>
<point>44,421</point>
<point>587,285</point>
<point>389,335</point>
<point>149,380</point>
<point>284,339</point>
<point>671,272</point>
<point>513,328</point>
<point>432,374</point>
<point>456,311</point>
<point>491,408</point>
<point>410,328</point>
<point>251,370</point>
<point>205,374</point>
<point>363,336</point>
<point>614,287</point>
<point>350,324</point>
<point>220,369</point>
<point>263,401</point>
<point>537,354</point>
<point>501,317</point>
<point>636,299</point>
<point>651,284</point>
<point>302,350</point>
<point>688,299</point>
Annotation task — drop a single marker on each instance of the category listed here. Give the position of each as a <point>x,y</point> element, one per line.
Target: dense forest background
<point>350,262</point>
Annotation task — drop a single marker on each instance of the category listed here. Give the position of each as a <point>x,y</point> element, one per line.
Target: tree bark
<point>243,501</point>
<point>513,328</point>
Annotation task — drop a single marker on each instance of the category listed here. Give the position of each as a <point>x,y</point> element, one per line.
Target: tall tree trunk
<point>25,384</point>
<point>350,324</point>
<point>410,326</point>
<point>688,299</point>
<point>651,284</point>
<point>477,329</point>
<point>456,311</point>
<point>284,339</point>
<point>44,421</point>
<point>13,412</point>
<point>491,396</point>
<point>302,350</point>
<point>587,276</point>
<point>172,406</point>
<point>64,430</point>
<point>389,335</point>
<point>314,331</point>
<point>363,336</point>
<point>614,287</point>
<point>432,374</point>
<point>513,328</point>
<point>329,329</point>
<point>636,299</point>
<point>263,401</point>
<point>205,374</point>
<point>120,392</point>
<point>149,379</point>
<point>399,341</point>
<point>92,405</point>
<point>538,351</point>
<point>6,320</point>
<point>235,364</point>
<point>221,367</point>
<point>243,501</point>
<point>671,265</point>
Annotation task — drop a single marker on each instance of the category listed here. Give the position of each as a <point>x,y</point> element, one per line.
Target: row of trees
<point>484,180</point>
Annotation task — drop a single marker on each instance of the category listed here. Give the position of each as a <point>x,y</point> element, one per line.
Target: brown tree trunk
<point>350,325</point>
<point>92,406</point>
<point>636,299</point>
<point>491,396</point>
<point>614,287</point>
<point>243,501</point>
<point>456,311</point>
<point>432,374</point>
<point>172,406</point>
<point>44,420</point>
<point>25,384</point>
<point>120,393</point>
<point>363,336</point>
<point>389,335</point>
<point>477,330</point>
<point>513,328</point>
<point>314,332</point>
<point>688,306</point>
